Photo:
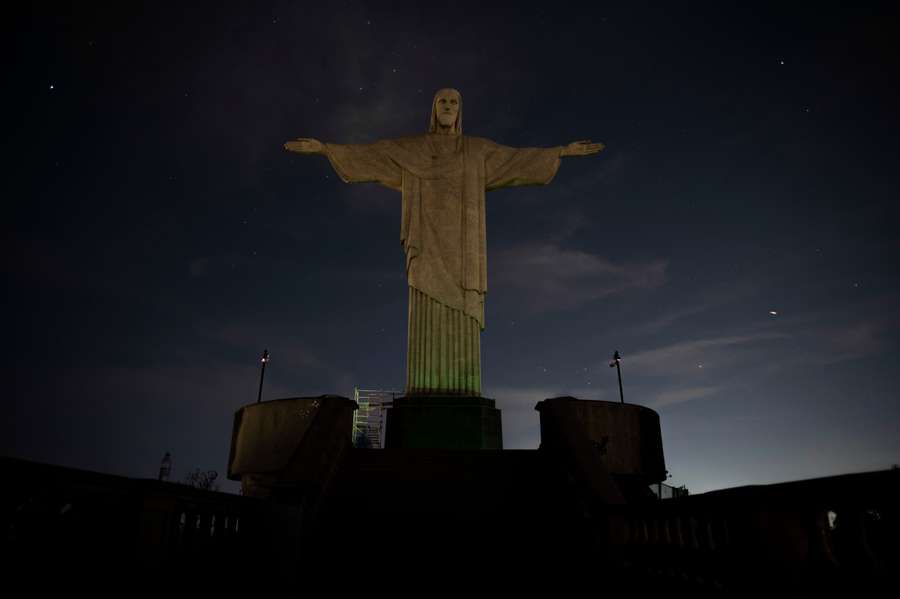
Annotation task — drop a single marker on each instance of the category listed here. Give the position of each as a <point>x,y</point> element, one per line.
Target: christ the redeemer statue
<point>443,176</point>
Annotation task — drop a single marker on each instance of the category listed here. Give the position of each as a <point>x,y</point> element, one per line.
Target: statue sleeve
<point>509,167</point>
<point>358,163</point>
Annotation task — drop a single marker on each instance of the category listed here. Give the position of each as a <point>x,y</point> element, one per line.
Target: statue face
<point>447,106</point>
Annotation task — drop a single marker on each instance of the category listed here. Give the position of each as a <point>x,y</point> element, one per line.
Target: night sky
<point>736,242</point>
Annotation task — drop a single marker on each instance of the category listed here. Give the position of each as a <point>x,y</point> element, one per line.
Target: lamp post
<point>262,374</point>
<point>616,362</point>
<point>165,467</point>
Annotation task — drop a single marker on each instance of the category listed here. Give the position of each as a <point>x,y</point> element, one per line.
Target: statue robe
<point>443,180</point>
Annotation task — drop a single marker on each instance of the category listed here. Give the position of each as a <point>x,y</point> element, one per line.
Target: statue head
<point>446,112</point>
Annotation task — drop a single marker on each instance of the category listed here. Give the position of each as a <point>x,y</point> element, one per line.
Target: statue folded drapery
<point>443,180</point>
<point>443,176</point>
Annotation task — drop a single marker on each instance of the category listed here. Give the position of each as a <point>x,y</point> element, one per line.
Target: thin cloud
<point>677,396</point>
<point>198,267</point>
<point>848,341</point>
<point>549,277</point>
<point>700,302</point>
<point>687,356</point>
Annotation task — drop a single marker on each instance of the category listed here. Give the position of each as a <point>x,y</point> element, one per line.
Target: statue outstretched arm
<point>305,145</point>
<point>582,148</point>
<point>509,167</point>
<point>354,163</point>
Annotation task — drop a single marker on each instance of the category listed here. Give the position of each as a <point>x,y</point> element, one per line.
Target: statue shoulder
<point>478,144</point>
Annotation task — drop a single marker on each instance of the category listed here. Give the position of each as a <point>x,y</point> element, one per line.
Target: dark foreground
<point>435,521</point>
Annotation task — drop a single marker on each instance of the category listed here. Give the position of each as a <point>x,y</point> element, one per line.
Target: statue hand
<point>582,148</point>
<point>304,145</point>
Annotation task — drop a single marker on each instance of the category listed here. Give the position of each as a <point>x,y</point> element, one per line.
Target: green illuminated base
<point>443,422</point>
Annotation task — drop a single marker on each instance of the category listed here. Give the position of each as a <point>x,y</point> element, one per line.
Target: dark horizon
<point>733,242</point>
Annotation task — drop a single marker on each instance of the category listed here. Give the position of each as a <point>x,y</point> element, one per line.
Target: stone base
<point>289,446</point>
<point>443,422</point>
<point>626,437</point>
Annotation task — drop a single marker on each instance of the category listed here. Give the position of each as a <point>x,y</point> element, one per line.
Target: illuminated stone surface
<point>443,176</point>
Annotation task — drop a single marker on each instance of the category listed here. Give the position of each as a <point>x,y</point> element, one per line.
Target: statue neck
<point>442,130</point>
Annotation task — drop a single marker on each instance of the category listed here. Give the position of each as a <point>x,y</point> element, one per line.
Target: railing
<point>829,536</point>
<point>826,535</point>
<point>664,491</point>
<point>58,516</point>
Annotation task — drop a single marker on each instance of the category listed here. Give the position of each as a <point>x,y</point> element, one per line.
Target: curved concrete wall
<point>626,436</point>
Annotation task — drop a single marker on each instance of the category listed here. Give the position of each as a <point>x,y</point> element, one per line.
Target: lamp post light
<point>262,374</point>
<point>617,359</point>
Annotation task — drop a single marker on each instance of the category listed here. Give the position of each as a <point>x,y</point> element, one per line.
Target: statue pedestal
<point>443,422</point>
